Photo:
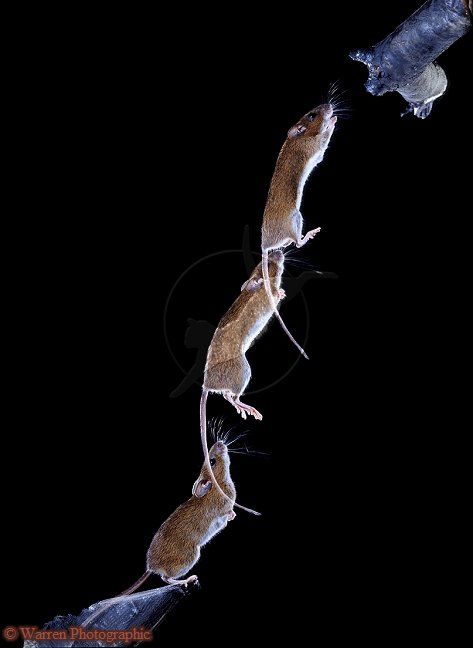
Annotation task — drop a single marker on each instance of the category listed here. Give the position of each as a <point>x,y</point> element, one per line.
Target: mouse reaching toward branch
<point>175,548</point>
<point>303,149</point>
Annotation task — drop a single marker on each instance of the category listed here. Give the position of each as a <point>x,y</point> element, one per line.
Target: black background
<point>135,157</point>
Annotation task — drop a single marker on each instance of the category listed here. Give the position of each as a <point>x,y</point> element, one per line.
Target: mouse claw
<point>313,232</point>
<point>258,416</point>
<point>190,580</point>
<point>281,293</point>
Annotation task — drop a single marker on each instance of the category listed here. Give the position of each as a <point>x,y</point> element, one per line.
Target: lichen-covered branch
<point>404,61</point>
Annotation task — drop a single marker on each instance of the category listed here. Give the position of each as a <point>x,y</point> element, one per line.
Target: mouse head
<point>275,263</point>
<point>316,127</point>
<point>220,462</point>
<point>275,270</point>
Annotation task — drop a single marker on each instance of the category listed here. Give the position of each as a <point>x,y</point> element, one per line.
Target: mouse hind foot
<point>231,399</point>
<point>185,582</point>
<point>252,411</point>
<point>242,408</point>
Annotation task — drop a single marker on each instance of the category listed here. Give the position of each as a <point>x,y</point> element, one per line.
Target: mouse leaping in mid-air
<point>303,149</point>
<point>227,371</point>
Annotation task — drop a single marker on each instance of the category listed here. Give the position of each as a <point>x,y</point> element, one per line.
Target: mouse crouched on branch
<point>175,548</point>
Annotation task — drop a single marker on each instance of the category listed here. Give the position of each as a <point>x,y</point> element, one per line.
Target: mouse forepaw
<point>310,235</point>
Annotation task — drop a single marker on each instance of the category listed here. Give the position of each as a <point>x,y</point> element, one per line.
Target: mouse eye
<point>301,129</point>
<point>213,461</point>
<point>311,116</point>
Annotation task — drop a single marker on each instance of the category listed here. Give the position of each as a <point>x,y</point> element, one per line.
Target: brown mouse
<point>227,370</point>
<point>303,149</point>
<point>175,548</point>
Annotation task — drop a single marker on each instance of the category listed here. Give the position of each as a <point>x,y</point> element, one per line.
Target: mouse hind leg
<point>177,563</point>
<point>230,379</point>
<point>233,396</point>
<point>242,408</point>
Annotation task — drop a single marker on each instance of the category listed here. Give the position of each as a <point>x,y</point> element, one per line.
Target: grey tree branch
<point>404,61</point>
<point>139,610</point>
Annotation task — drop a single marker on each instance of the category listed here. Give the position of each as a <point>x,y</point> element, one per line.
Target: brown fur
<point>282,225</point>
<point>176,546</point>
<point>227,368</point>
<point>305,144</point>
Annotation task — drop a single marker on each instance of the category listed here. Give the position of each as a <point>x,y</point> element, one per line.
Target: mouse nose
<point>220,447</point>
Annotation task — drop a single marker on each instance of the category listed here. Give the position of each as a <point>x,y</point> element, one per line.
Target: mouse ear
<point>201,487</point>
<point>296,130</point>
<point>244,285</point>
<point>252,284</point>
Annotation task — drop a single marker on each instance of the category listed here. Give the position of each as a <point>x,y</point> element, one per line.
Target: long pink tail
<point>203,436</point>
<point>267,287</point>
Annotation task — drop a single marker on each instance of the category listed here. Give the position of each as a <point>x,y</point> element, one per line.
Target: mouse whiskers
<point>224,433</point>
<point>342,110</point>
<point>228,433</point>
<point>249,453</point>
<point>300,263</point>
<point>211,430</point>
<point>338,101</point>
<point>291,259</point>
<point>237,438</point>
<point>215,427</point>
<point>333,88</point>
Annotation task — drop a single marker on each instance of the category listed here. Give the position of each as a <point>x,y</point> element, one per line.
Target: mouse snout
<point>327,110</point>
<point>277,256</point>
<point>220,448</point>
